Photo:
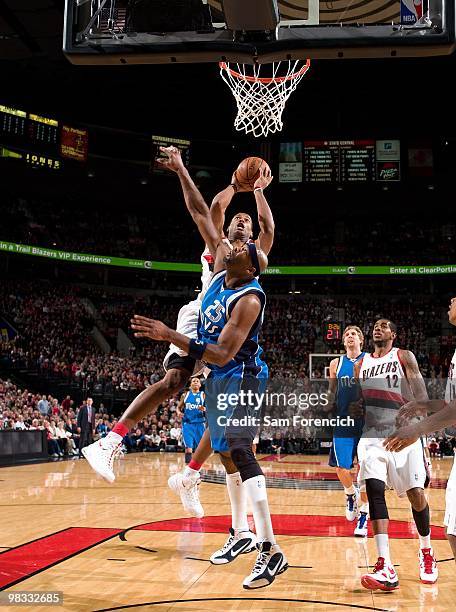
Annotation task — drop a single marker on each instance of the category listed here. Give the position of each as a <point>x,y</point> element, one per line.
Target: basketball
<point>248,171</point>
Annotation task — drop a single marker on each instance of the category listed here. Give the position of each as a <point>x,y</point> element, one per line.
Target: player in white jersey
<point>185,484</point>
<point>389,377</point>
<point>179,366</point>
<point>444,416</point>
<point>187,319</point>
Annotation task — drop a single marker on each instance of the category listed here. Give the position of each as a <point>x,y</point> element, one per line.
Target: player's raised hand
<point>172,161</point>
<point>265,178</point>
<point>401,438</point>
<point>237,184</point>
<point>149,328</point>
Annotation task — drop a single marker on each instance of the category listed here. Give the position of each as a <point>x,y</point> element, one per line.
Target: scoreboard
<point>12,121</point>
<point>167,141</point>
<point>332,332</point>
<point>42,130</point>
<point>339,161</point>
<point>35,138</point>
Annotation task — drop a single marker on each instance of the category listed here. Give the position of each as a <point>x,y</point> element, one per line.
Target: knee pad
<point>243,458</point>
<point>375,490</point>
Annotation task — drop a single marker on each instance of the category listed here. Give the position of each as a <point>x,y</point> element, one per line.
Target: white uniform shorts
<point>450,510</point>
<point>187,324</point>
<point>400,471</point>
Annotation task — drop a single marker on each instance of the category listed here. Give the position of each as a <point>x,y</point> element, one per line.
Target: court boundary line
<point>278,599</point>
<point>43,569</point>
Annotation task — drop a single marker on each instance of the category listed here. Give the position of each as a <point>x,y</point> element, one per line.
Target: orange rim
<point>252,79</point>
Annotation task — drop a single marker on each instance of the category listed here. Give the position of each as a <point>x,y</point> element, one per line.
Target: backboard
<point>191,31</point>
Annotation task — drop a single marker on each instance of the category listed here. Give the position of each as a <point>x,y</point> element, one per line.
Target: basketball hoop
<point>261,100</point>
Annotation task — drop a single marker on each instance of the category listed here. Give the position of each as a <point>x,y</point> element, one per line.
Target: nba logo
<point>411,11</point>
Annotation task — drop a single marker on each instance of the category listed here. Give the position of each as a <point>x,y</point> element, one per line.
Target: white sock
<point>425,541</point>
<point>115,437</point>
<point>257,493</point>
<point>382,543</point>
<point>350,491</point>
<point>364,507</point>
<point>238,500</point>
<point>191,473</point>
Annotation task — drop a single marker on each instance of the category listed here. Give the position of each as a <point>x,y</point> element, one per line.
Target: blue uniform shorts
<point>343,452</point>
<point>232,408</point>
<point>192,434</point>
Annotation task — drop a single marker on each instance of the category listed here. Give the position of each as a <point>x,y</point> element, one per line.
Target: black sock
<point>188,457</point>
<point>422,521</point>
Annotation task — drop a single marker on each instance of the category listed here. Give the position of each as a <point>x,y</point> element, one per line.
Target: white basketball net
<point>261,100</point>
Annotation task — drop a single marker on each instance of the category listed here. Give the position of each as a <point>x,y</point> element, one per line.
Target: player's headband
<point>254,257</point>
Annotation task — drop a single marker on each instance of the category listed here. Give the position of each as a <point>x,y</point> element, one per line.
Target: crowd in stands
<point>137,231</point>
<point>21,409</point>
<point>54,336</point>
<point>55,333</point>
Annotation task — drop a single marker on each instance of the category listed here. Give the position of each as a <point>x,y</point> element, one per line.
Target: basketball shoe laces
<point>191,491</point>
<point>351,502</point>
<point>260,562</point>
<point>362,520</point>
<point>428,561</point>
<point>116,451</point>
<point>228,543</point>
<point>380,565</point>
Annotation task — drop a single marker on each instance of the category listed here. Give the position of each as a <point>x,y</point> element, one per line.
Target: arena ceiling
<point>388,97</point>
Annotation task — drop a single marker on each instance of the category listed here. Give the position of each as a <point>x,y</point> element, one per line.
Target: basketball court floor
<point>130,545</point>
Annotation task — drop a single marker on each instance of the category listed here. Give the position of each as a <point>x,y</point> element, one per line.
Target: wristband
<point>258,189</point>
<point>196,349</point>
<point>234,186</point>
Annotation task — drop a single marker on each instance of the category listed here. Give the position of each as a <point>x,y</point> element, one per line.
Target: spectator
<point>86,423</point>
<point>43,406</point>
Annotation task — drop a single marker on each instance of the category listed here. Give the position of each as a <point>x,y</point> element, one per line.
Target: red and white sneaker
<point>428,566</point>
<point>383,577</point>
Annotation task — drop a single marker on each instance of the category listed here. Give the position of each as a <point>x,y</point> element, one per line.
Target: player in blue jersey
<point>344,390</point>
<point>191,409</point>
<point>180,366</point>
<point>230,321</point>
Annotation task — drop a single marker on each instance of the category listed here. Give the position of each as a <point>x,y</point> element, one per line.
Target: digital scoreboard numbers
<point>42,130</point>
<point>332,332</point>
<point>321,162</point>
<point>12,122</point>
<point>339,161</point>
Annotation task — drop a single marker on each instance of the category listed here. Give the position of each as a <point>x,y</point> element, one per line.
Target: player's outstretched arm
<point>414,376</point>
<point>219,206</point>
<point>403,437</point>
<point>265,218</point>
<point>194,201</point>
<point>233,335</point>
<point>221,202</point>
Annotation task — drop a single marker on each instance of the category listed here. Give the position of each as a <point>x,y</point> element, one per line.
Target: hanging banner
<point>125,262</point>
